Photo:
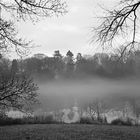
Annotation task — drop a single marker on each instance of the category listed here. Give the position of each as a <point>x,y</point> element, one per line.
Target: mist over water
<point>60,94</point>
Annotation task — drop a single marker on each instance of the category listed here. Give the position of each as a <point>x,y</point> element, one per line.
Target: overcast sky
<point>69,32</point>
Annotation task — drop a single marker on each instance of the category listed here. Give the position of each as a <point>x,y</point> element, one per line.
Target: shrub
<point>87,120</point>
<point>44,119</point>
<point>119,121</point>
<point>27,120</point>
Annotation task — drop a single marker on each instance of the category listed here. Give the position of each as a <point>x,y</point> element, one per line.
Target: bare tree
<point>95,109</point>
<point>123,20</point>
<point>23,10</point>
<point>17,92</point>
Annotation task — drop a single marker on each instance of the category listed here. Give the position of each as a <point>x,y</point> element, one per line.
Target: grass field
<point>69,132</point>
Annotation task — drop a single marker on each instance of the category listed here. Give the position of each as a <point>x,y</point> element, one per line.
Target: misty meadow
<point>69,69</point>
<point>93,89</point>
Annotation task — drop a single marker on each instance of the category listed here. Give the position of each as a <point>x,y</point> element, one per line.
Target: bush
<point>10,121</point>
<point>119,121</point>
<point>27,120</point>
<point>44,119</point>
<point>87,120</point>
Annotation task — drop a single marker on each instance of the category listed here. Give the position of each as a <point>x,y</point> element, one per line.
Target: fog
<point>60,94</point>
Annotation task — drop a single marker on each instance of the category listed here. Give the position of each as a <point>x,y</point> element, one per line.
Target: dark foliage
<point>17,89</point>
<point>28,120</point>
<point>119,121</point>
<point>100,64</point>
<point>87,120</point>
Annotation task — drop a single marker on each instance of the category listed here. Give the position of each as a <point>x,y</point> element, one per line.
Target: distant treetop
<point>69,53</point>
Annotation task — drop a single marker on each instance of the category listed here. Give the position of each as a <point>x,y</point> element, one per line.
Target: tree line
<point>68,66</point>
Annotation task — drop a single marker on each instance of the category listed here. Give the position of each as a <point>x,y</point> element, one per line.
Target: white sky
<point>69,32</point>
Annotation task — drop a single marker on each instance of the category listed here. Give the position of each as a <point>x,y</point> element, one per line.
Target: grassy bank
<point>69,132</point>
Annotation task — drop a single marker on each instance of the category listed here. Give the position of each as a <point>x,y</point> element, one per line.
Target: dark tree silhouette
<point>57,54</point>
<point>123,20</point>
<point>69,53</point>
<point>14,67</point>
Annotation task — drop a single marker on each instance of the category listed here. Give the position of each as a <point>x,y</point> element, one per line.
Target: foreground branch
<point>121,21</point>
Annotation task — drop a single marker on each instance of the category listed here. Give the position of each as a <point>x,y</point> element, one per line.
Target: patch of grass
<point>69,132</point>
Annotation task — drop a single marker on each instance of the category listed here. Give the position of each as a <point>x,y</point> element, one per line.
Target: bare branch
<point>24,9</point>
<point>9,40</point>
<point>119,22</point>
<point>30,9</point>
<point>17,92</point>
